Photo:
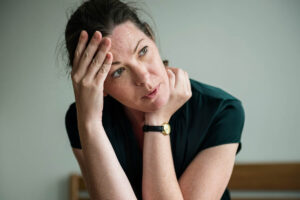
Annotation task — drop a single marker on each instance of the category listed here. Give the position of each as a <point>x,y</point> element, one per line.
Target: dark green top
<point>209,118</point>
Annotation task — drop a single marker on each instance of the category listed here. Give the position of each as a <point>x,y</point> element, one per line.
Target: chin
<point>159,103</point>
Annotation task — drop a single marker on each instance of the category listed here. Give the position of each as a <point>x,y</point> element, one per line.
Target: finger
<point>88,54</point>
<point>179,78</point>
<point>104,69</point>
<point>83,38</point>
<point>98,60</point>
<point>188,82</point>
<point>171,68</point>
<point>180,81</point>
<point>175,73</point>
<point>171,76</point>
<point>184,81</point>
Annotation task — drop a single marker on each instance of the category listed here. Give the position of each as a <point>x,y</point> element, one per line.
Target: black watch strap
<point>147,128</point>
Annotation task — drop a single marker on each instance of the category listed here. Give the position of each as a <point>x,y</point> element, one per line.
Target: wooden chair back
<point>245,177</point>
<point>77,187</point>
<point>266,177</point>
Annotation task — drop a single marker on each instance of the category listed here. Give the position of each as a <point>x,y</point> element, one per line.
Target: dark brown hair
<point>101,15</point>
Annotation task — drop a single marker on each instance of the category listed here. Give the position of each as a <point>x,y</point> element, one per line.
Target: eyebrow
<point>118,62</point>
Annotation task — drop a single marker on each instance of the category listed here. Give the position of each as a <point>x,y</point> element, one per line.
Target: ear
<point>166,63</point>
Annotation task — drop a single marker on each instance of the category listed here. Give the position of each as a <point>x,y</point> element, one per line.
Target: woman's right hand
<point>91,65</point>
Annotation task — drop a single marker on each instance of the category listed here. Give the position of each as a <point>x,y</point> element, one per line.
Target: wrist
<point>90,125</point>
<point>155,121</point>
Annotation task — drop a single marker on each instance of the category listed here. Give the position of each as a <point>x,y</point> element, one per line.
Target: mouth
<point>153,93</point>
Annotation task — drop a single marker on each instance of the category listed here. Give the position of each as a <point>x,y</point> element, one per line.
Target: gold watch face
<point>167,129</point>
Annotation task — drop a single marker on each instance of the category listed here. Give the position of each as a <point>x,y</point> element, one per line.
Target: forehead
<point>124,38</point>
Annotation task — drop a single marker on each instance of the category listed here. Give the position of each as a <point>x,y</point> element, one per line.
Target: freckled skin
<point>141,74</point>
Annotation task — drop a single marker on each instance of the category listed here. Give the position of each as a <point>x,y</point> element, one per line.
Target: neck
<point>136,117</point>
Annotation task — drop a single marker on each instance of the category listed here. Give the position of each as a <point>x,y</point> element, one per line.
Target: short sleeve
<point>71,126</point>
<point>228,125</point>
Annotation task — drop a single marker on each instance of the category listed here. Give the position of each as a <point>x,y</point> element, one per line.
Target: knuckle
<point>98,85</point>
<point>182,95</point>
<point>176,71</point>
<point>104,68</point>
<point>188,94</point>
<point>95,62</point>
<point>94,85</point>
<point>85,82</point>
<point>75,78</point>
<point>181,71</point>
<point>76,54</point>
<point>85,54</point>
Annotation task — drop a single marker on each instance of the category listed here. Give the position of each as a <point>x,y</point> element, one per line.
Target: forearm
<point>107,179</point>
<point>159,177</point>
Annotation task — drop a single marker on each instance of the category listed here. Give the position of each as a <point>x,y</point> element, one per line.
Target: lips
<point>152,93</point>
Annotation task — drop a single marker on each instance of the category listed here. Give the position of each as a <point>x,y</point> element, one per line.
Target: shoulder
<point>211,98</point>
<point>209,102</point>
<point>218,112</point>
<point>209,91</point>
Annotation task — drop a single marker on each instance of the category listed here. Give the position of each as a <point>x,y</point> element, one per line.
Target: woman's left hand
<point>180,92</point>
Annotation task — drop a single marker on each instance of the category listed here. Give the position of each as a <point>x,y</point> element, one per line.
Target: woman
<point>126,99</point>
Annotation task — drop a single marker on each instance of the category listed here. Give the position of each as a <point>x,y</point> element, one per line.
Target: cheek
<point>156,64</point>
<point>119,89</point>
<point>164,74</point>
<point>110,87</point>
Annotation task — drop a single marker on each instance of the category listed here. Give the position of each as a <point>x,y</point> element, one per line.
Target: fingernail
<point>96,35</point>
<point>106,42</point>
<point>81,34</point>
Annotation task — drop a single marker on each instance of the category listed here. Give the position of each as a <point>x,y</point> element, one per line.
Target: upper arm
<point>227,126</point>
<point>208,174</point>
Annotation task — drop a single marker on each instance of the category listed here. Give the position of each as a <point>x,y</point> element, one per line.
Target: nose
<point>142,77</point>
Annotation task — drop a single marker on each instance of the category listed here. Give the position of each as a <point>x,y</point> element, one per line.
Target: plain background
<point>250,49</point>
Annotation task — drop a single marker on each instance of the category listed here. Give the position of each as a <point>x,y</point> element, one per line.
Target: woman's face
<point>136,71</point>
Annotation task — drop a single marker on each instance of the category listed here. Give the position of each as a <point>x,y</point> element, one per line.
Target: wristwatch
<point>165,128</point>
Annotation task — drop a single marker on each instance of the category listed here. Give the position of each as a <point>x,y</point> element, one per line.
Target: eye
<point>118,72</point>
<point>143,51</point>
